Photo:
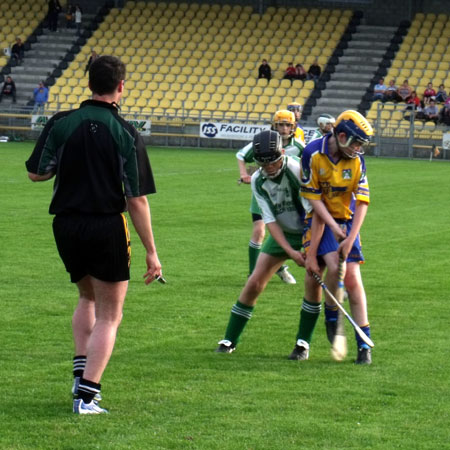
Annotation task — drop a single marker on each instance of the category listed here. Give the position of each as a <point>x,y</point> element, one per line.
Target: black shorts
<point>94,245</point>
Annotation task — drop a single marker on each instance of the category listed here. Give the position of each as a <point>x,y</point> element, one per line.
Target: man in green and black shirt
<point>101,169</point>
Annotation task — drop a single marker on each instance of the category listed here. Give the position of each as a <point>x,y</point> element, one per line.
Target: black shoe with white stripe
<point>300,352</point>
<point>364,356</point>
<point>225,346</point>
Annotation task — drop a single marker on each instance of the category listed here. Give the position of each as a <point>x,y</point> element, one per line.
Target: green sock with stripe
<point>254,250</point>
<point>309,314</point>
<point>240,315</point>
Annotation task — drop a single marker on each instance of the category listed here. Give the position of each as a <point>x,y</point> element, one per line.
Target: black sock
<point>79,363</point>
<point>87,390</point>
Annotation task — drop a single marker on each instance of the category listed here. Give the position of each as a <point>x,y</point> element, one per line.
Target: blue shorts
<point>329,244</point>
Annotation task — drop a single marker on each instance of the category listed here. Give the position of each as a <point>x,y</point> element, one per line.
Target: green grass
<point>165,387</point>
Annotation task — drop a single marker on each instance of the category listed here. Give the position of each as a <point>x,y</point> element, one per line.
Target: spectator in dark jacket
<point>9,89</point>
<point>18,51</point>
<point>314,71</point>
<point>264,70</point>
<point>54,7</point>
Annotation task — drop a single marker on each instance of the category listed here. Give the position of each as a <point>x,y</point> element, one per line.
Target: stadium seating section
<point>18,18</point>
<point>423,57</point>
<point>201,60</point>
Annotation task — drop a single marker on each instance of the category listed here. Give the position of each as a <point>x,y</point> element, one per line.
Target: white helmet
<point>325,119</point>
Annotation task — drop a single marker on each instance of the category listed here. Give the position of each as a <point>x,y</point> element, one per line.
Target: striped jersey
<point>294,148</point>
<point>335,183</point>
<point>279,198</point>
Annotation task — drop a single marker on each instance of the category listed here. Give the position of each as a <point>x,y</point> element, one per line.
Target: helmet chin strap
<point>277,172</point>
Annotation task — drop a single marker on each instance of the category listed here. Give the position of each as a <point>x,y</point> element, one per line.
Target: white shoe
<point>285,276</point>
<point>79,407</point>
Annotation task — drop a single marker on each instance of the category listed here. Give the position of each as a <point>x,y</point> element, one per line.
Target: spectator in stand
<point>441,95</point>
<point>54,7</point>
<point>289,73</point>
<point>390,94</point>
<point>428,93</point>
<point>314,71</point>
<point>413,104</point>
<point>300,72</point>
<point>9,89</point>
<point>444,115</point>
<point>379,90</point>
<point>264,70</point>
<point>91,59</point>
<point>18,51</point>
<point>431,112</point>
<point>413,101</point>
<point>70,15</point>
<point>404,91</point>
<point>40,95</point>
<point>78,16</point>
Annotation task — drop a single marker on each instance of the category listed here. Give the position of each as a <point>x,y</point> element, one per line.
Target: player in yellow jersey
<point>335,190</point>
<point>297,109</point>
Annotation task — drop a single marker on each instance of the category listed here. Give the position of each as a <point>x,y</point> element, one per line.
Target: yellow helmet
<point>294,106</point>
<point>356,128</point>
<point>284,116</point>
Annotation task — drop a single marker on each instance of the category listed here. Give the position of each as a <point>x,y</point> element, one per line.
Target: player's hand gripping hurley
<point>360,332</point>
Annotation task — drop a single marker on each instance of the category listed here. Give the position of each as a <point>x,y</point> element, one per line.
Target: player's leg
<point>311,306</point>
<point>242,310</point>
<point>83,321</point>
<point>309,314</point>
<point>109,298</point>
<point>330,308</point>
<point>358,306</point>
<point>256,240</point>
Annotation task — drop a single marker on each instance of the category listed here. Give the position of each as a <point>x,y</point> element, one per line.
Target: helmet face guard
<point>324,120</point>
<point>357,130</point>
<point>284,117</point>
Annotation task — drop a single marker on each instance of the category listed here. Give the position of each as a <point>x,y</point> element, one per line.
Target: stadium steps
<point>40,61</point>
<point>355,69</point>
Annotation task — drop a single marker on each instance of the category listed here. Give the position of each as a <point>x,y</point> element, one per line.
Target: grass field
<point>165,387</point>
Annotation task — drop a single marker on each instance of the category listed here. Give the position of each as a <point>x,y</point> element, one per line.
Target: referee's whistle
<point>160,279</point>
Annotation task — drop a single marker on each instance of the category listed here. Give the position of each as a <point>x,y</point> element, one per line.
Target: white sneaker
<point>79,407</point>
<point>285,276</point>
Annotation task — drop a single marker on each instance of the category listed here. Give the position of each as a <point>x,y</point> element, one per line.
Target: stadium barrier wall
<point>186,132</point>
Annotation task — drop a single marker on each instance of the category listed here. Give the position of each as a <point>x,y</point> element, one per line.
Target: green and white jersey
<point>294,148</point>
<point>317,134</point>
<point>279,198</point>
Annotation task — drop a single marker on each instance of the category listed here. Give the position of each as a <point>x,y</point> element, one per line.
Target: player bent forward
<point>334,176</point>
<point>276,188</point>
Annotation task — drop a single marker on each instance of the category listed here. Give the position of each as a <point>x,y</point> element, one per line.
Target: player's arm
<point>277,233</point>
<point>36,177</point>
<point>321,210</point>
<point>244,156</point>
<point>41,165</point>
<point>358,218</point>
<point>244,175</point>
<point>139,211</point>
<point>317,228</point>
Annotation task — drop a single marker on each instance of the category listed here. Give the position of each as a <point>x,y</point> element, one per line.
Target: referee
<point>101,169</point>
